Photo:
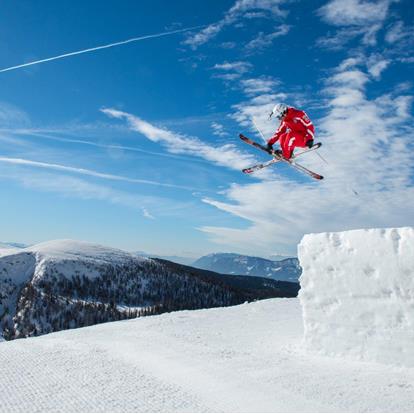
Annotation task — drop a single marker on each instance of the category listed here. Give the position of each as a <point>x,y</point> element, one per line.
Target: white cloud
<point>255,86</point>
<point>359,17</point>
<point>206,34</point>
<point>398,32</point>
<point>354,12</point>
<point>376,64</point>
<point>228,76</point>
<point>238,67</point>
<point>227,155</point>
<point>341,37</point>
<point>232,70</point>
<point>407,60</point>
<point>241,9</point>
<point>262,94</point>
<point>369,146</point>
<point>147,214</point>
<point>218,129</point>
<point>369,37</point>
<point>262,40</point>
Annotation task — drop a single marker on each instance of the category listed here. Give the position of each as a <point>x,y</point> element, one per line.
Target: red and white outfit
<point>295,130</point>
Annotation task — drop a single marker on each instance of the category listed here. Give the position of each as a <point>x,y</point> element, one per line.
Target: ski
<point>260,166</point>
<point>254,144</point>
<point>305,170</point>
<point>291,162</point>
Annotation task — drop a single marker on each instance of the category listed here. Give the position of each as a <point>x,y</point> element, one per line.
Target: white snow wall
<point>357,294</point>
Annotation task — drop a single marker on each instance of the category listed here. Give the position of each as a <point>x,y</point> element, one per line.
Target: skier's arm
<point>277,134</point>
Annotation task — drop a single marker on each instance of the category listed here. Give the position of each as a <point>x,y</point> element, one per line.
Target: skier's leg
<point>288,144</point>
<point>303,141</point>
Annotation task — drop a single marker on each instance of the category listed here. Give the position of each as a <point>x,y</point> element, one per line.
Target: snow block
<point>357,294</point>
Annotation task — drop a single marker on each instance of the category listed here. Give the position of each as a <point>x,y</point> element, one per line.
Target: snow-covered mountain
<point>230,263</point>
<point>66,284</point>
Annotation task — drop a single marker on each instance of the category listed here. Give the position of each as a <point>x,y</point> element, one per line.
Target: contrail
<point>134,39</point>
<point>83,171</point>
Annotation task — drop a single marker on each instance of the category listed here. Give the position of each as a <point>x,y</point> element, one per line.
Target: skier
<point>295,130</point>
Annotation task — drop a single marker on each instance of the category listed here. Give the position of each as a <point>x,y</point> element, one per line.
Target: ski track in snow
<point>240,359</point>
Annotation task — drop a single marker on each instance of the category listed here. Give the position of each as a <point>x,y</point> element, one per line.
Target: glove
<point>269,147</point>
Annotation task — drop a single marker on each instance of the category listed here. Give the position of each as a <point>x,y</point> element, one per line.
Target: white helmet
<point>279,110</point>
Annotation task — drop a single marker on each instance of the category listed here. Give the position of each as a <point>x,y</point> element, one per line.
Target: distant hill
<point>8,245</point>
<point>231,263</point>
<point>251,288</point>
<point>66,284</point>
<point>176,259</point>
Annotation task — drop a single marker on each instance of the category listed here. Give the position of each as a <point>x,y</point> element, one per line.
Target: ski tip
<point>247,170</point>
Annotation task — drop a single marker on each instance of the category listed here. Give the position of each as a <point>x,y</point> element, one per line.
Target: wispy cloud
<point>261,93</point>
<point>354,18</point>
<point>94,49</point>
<point>147,214</point>
<point>401,38</point>
<point>11,116</point>
<point>399,32</point>
<point>263,40</point>
<point>241,9</point>
<point>376,64</point>
<point>227,155</point>
<point>78,188</point>
<point>218,129</point>
<point>239,67</point>
<point>37,133</point>
<point>368,143</point>
<point>354,12</point>
<point>232,70</point>
<point>256,86</point>
<point>340,38</point>
<point>83,171</point>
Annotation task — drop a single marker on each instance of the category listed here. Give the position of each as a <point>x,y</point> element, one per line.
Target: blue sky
<point>136,145</point>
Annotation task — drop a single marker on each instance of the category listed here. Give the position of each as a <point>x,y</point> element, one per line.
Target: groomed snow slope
<point>357,294</point>
<point>245,358</point>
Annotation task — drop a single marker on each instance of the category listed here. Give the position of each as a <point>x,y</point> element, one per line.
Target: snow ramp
<point>357,294</point>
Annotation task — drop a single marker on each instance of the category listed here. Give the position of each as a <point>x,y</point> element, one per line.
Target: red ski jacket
<point>297,122</point>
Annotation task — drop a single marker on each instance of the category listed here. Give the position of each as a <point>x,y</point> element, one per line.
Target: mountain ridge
<point>65,284</point>
<point>287,269</point>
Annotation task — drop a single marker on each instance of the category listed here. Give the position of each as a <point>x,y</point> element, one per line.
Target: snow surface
<point>245,358</point>
<point>357,294</point>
